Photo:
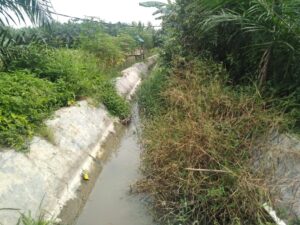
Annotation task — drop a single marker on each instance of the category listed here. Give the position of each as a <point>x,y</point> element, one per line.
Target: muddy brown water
<point>106,198</point>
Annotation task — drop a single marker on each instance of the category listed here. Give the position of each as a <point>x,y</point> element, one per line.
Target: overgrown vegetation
<point>47,69</point>
<point>257,41</point>
<point>229,76</point>
<point>198,136</point>
<point>25,102</point>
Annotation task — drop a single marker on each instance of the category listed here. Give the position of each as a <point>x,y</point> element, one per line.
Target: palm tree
<point>272,36</point>
<point>38,12</point>
<point>16,11</point>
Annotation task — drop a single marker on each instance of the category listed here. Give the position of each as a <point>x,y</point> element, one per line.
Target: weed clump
<point>28,219</point>
<point>198,146</point>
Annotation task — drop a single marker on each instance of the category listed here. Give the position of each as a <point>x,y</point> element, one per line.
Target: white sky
<point>107,10</point>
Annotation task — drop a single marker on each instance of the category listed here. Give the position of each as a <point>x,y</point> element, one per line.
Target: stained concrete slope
<point>44,179</point>
<point>279,160</point>
<point>131,77</point>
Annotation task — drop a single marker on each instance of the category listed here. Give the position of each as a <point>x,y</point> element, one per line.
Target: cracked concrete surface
<point>44,179</point>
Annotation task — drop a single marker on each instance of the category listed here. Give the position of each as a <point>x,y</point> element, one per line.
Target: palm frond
<point>16,11</point>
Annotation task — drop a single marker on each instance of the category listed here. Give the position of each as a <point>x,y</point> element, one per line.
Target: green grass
<point>29,220</point>
<point>199,133</point>
<point>150,99</point>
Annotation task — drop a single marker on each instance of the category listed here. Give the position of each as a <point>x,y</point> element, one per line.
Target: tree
<point>38,12</point>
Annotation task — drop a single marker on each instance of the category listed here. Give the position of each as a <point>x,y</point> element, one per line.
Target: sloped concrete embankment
<point>48,176</point>
<point>278,159</point>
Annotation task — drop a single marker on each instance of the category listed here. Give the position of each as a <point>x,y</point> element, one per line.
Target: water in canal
<point>110,202</point>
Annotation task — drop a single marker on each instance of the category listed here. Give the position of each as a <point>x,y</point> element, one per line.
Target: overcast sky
<point>108,10</point>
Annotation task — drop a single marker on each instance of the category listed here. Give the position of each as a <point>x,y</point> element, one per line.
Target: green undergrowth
<point>198,134</point>
<point>39,80</point>
<point>25,102</point>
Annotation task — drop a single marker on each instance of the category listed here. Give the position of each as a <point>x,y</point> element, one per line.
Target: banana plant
<point>162,9</point>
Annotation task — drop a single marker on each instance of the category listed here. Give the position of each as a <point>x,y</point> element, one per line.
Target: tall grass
<point>198,146</point>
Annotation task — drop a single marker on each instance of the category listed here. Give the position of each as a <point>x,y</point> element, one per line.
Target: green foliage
<point>69,35</point>
<point>126,42</point>
<point>257,38</point>
<point>150,99</point>
<point>116,104</point>
<point>15,11</point>
<point>200,129</point>
<point>155,4</point>
<point>105,48</point>
<point>114,40</point>
<point>61,63</point>
<point>25,101</point>
<point>32,57</point>
<point>60,77</point>
<point>36,11</point>
<point>257,41</point>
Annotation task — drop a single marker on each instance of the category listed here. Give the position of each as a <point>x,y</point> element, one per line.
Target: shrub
<point>105,48</point>
<point>81,75</point>
<point>32,57</point>
<point>77,70</point>
<point>115,103</point>
<point>126,42</point>
<point>25,101</point>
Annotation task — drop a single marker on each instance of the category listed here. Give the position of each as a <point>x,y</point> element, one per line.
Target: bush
<point>31,57</point>
<point>126,42</point>
<point>115,103</point>
<point>25,101</point>
<point>78,70</point>
<point>60,76</point>
<point>105,48</point>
